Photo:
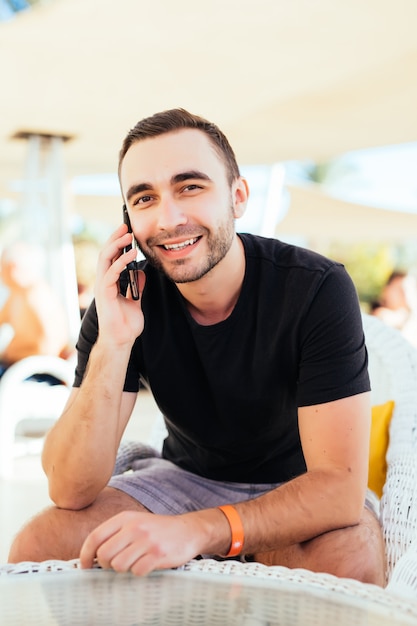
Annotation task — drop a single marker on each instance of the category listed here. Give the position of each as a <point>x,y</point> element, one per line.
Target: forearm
<point>80,450</point>
<point>306,507</point>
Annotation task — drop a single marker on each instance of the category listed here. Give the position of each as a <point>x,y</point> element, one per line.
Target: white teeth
<point>179,246</point>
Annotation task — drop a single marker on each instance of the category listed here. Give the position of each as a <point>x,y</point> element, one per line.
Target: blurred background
<point>317,97</point>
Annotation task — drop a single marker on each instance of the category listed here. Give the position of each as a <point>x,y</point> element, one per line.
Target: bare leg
<point>59,533</point>
<point>354,552</point>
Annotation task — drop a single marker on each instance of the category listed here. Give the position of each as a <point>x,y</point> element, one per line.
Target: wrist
<point>107,344</point>
<point>107,356</point>
<point>211,531</point>
<point>236,530</point>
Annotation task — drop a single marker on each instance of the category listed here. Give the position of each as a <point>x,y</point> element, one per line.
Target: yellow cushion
<point>381,417</point>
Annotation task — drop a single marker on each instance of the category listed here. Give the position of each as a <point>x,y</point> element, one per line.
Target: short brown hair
<point>177,119</point>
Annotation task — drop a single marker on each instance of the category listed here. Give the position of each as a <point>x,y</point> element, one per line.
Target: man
<point>254,352</point>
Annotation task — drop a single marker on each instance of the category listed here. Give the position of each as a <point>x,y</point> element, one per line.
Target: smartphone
<point>131,267</point>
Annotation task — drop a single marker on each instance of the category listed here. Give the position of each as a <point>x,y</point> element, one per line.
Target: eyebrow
<point>192,174</point>
<point>134,189</point>
<point>177,178</point>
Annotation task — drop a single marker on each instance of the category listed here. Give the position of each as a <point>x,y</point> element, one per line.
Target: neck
<point>212,299</point>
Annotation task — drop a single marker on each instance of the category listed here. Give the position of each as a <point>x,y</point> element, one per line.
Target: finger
<point>111,248</point>
<point>114,249</point>
<point>126,558</point>
<point>113,269</point>
<point>107,262</point>
<point>95,539</point>
<point>112,537</point>
<point>146,564</point>
<point>119,232</point>
<point>88,552</point>
<point>122,258</point>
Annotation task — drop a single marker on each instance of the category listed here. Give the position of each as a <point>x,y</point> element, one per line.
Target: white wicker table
<point>184,598</point>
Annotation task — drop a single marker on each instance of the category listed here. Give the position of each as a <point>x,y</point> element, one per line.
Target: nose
<point>170,214</point>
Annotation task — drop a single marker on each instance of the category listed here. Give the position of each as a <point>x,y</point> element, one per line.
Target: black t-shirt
<point>229,392</point>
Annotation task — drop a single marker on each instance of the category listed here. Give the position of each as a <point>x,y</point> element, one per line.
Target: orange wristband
<point>236,526</point>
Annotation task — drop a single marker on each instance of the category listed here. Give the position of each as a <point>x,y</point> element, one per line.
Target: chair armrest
<point>404,576</point>
<point>399,510</point>
<point>39,364</point>
<point>397,361</point>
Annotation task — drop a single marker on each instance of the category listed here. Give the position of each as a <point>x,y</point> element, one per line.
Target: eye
<point>141,200</point>
<point>192,187</point>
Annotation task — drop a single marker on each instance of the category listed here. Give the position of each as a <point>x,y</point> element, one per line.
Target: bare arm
<point>330,495</point>
<point>80,450</point>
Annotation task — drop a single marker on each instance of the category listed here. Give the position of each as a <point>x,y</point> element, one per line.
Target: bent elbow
<point>71,504</point>
<point>68,499</point>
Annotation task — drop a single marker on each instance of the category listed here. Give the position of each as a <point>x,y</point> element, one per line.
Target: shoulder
<point>304,277</point>
<point>284,257</point>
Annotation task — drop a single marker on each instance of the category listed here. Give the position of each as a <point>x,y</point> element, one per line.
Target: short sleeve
<point>86,339</point>
<point>334,361</point>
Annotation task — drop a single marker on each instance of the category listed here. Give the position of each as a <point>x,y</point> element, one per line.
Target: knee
<point>20,549</point>
<point>367,562</point>
<point>356,552</point>
<point>42,538</point>
<point>59,533</point>
<point>368,567</point>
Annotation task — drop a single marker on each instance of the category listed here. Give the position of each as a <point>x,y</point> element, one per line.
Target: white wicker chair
<point>393,370</point>
<point>29,405</point>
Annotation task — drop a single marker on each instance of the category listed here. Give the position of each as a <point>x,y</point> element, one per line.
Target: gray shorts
<point>163,487</point>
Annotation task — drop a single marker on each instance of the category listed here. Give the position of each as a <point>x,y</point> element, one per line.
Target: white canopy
<point>285,79</point>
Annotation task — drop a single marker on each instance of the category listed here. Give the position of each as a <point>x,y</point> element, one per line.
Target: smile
<point>180,246</point>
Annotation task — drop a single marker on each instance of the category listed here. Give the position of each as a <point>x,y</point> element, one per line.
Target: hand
<point>142,542</point>
<point>120,318</point>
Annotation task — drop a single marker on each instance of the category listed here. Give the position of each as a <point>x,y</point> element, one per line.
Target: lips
<point>182,245</point>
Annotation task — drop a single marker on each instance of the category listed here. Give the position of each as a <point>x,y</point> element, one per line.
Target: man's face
<point>180,203</point>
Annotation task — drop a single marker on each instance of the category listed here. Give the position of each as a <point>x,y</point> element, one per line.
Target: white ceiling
<point>319,219</point>
<point>285,79</point>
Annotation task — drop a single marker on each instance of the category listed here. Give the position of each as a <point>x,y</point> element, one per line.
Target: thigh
<point>354,552</point>
<point>59,533</point>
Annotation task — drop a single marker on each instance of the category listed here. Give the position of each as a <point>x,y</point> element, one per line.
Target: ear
<point>240,195</point>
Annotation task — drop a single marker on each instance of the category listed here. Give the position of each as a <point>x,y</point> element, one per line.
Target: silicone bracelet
<point>236,526</point>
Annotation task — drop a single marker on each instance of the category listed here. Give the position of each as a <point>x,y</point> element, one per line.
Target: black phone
<point>131,267</point>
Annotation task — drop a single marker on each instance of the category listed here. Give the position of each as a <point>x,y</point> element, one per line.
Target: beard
<point>179,271</point>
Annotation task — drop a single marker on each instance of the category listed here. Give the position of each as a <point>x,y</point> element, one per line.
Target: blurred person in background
<point>397,306</point>
<point>33,318</point>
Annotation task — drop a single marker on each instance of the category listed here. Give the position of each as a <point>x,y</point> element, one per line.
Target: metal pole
<point>44,218</point>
